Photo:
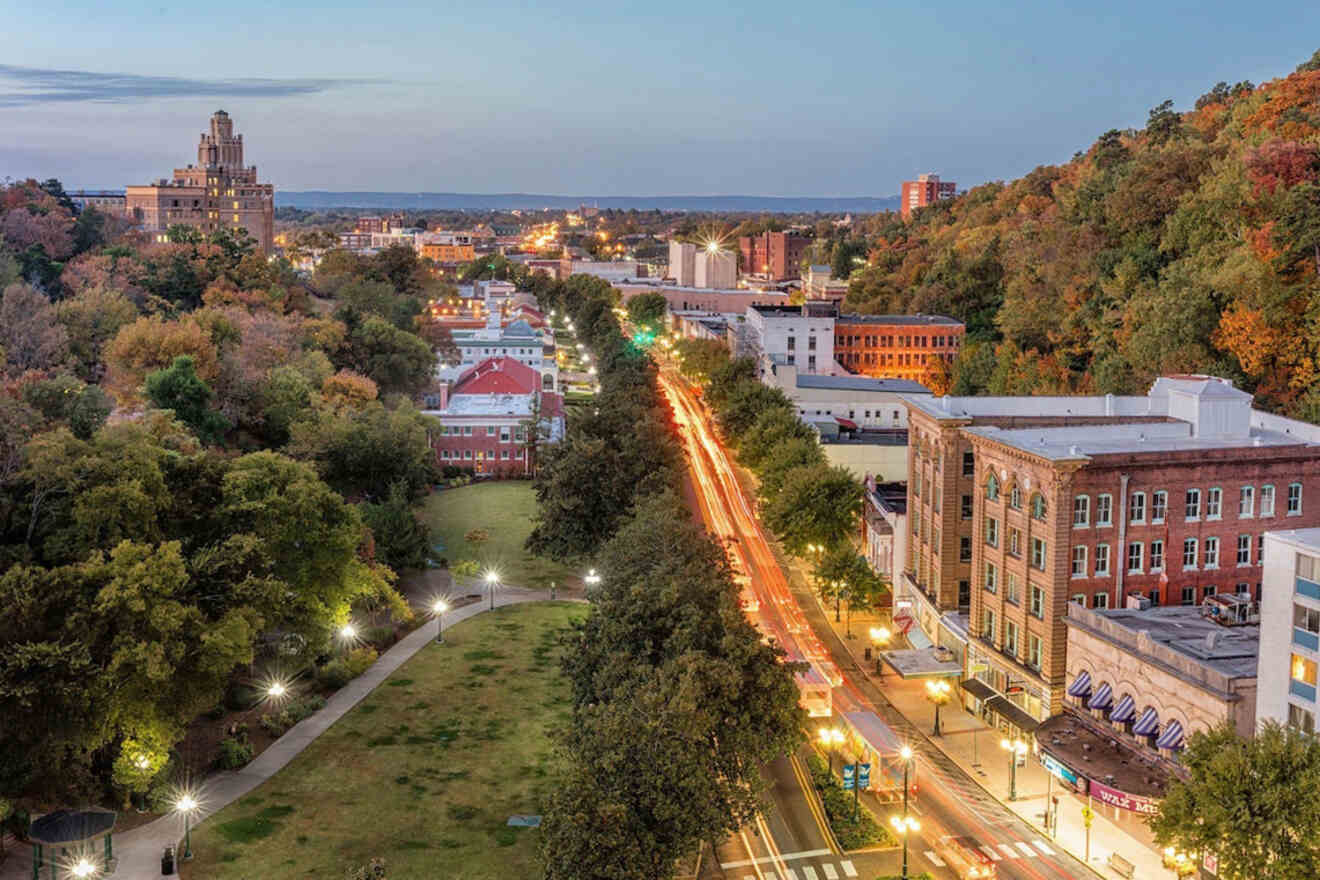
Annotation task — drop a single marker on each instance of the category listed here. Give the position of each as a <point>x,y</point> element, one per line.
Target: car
<point>965,859</point>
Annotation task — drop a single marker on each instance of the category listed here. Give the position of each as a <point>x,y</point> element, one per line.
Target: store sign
<point>1058,769</point>
<point>1123,800</point>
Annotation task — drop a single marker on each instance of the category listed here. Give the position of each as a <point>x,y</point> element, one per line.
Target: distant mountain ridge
<point>312,200</point>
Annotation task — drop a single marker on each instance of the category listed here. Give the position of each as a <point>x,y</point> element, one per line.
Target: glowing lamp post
<point>880,637</point>
<point>1016,749</point>
<point>937,691</point>
<point>591,579</point>
<point>83,868</point>
<point>274,691</point>
<point>438,609</point>
<point>492,578</point>
<point>831,738</point>
<point>186,805</point>
<point>903,826</point>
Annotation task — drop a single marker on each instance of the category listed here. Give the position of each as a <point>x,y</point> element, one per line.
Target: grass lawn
<point>423,773</point>
<point>505,510</point>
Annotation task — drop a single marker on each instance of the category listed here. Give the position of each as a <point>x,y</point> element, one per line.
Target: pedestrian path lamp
<point>438,609</point>
<point>492,578</point>
<point>83,868</point>
<point>592,579</point>
<point>938,691</point>
<point>906,754</point>
<point>880,636</point>
<point>903,826</point>
<point>1016,749</point>
<point>186,805</point>
<point>830,739</point>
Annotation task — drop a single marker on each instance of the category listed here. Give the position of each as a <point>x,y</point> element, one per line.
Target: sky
<point>821,98</point>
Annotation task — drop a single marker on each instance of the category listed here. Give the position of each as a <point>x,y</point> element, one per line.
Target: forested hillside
<point>1190,245</point>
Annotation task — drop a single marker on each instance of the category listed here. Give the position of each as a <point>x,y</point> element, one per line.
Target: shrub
<point>234,753</point>
<point>852,833</point>
<point>381,637</point>
<point>239,697</point>
<point>279,723</point>
<point>359,660</point>
<point>341,670</point>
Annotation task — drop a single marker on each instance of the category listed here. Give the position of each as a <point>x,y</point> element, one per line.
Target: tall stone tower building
<point>216,193</point>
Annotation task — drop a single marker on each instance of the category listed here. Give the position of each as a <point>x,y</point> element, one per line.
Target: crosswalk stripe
<point>1026,850</point>
<point>809,871</point>
<point>1044,847</point>
<point>990,851</point>
<point>934,859</point>
<point>782,857</point>
<point>830,873</point>
<point>848,868</point>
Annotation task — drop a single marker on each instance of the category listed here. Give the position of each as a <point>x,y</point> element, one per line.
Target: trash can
<point>167,862</point>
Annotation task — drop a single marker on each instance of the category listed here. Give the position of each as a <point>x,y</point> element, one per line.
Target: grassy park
<point>424,772</point>
<point>504,509</point>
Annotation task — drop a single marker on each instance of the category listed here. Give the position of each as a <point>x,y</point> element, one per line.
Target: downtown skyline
<point>843,99</point>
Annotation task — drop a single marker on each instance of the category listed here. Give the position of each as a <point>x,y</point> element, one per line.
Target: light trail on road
<point>730,516</point>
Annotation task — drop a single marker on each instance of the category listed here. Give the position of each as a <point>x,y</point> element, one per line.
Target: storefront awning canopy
<point>1013,714</point>
<point>978,688</point>
<point>1148,723</point>
<point>846,424</point>
<point>1172,737</point>
<point>1081,685</point>
<point>1124,711</point>
<point>1102,698</point>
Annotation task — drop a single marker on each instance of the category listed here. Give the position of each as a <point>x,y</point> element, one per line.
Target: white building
<point>408,237</point>
<point>1290,629</point>
<point>611,271</point>
<point>518,340</point>
<point>851,402</point>
<point>716,269</point>
<point>682,263</point>
<point>801,336</point>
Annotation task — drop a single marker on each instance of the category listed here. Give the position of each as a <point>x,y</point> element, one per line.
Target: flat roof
<point>933,662</point>
<point>1302,539</point>
<point>925,320</point>
<point>1086,441</point>
<point>1229,650</point>
<point>1056,406</point>
<point>861,383</point>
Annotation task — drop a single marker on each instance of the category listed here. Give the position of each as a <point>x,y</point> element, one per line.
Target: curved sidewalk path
<point>138,851</point>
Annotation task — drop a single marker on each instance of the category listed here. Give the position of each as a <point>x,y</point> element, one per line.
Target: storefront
<point>1003,695</point>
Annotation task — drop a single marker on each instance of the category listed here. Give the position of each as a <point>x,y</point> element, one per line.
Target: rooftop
<point>904,320</point>
<point>502,375</point>
<point>1102,756</point>
<point>861,383</point>
<point>1302,539</point>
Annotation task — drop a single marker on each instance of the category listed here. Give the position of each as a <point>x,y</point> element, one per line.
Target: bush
<point>239,697</point>
<point>851,833</point>
<point>279,723</point>
<point>341,670</point>
<point>381,637</point>
<point>234,753</point>
<point>359,660</point>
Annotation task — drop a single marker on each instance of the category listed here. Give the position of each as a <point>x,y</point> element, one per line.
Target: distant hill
<point>312,200</point>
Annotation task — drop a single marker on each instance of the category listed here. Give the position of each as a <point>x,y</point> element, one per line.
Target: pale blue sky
<point>594,98</point>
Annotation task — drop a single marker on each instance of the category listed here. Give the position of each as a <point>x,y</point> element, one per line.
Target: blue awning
<point>1123,712</point>
<point>1102,698</point>
<point>1081,685</point>
<point>1148,723</point>
<point>1172,737</point>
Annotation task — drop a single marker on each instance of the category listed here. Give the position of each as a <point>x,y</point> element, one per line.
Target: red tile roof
<point>502,375</point>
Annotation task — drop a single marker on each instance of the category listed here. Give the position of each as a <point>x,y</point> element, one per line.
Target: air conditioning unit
<point>1138,603</point>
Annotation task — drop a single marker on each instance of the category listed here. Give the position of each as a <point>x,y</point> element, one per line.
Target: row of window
<point>1035,646</point>
<point>1012,593</point>
<point>1187,595</point>
<point>1196,553</point>
<point>887,341</point>
<point>502,431</point>
<point>1038,553</point>
<point>886,360</point>
<point>481,455</point>
<point>1014,495</point>
<point>1195,505</point>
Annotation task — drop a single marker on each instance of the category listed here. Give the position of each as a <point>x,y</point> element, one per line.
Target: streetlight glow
<point>277,689</point>
<point>186,804</point>
<point>591,579</point>
<point>84,868</point>
<point>905,753</point>
<point>348,631</point>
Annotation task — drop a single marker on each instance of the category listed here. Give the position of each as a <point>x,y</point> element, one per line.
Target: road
<point>950,803</point>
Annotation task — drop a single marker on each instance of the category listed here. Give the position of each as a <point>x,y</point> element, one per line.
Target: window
<point>1306,618</point>
<point>1213,503</point>
<point>1189,595</point>
<point>1081,511</point>
<point>1015,497</point>
<point>992,531</point>
<point>1308,567</point>
<point>1246,501</point>
<point>1159,505</point>
<point>1193,506</point>
<point>490,430</point>
<point>1244,550</point>
<point>1078,599</point>
<point>1037,602</point>
<point>1101,559</point>
<point>1100,600</point>
<point>1208,591</point>
<point>1267,501</point>
<point>1038,554</point>
<point>1136,553</point>
<point>1189,553</point>
<point>991,577</point>
<point>1079,561</point>
<point>1011,591</point>
<point>967,507</point>
<point>969,464</point>
<point>1301,719</point>
<point>1038,506</point>
<point>1034,651</point>
<point>964,549</point>
<point>992,488</point>
<point>964,593</point>
<point>792,342</point>
<point>988,625</point>
<point>1211,552</point>
<point>1104,510</point>
<point>1137,507</point>
<point>1015,541</point>
<point>1010,638</point>
<point>1156,555</point>
<point>1294,499</point>
<point>1303,670</point>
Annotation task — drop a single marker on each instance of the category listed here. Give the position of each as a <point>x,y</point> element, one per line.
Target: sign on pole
<point>848,771</point>
<point>864,775</point>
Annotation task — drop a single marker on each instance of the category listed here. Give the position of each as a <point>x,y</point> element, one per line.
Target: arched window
<point>1015,497</point>
<point>992,488</point>
<point>1038,506</point>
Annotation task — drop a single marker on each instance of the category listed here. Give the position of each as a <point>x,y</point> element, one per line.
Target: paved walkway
<point>138,851</point>
<point>975,747</point>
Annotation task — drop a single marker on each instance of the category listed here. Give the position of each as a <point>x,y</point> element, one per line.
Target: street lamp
<point>83,868</point>
<point>903,826</point>
<point>592,579</point>
<point>492,578</point>
<point>831,738</point>
<point>937,691</point>
<point>276,689</point>
<point>438,608</point>
<point>186,805</point>
<point>880,636</point>
<point>1016,749</point>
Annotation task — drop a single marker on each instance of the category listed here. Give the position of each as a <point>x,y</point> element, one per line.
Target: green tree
<point>815,505</point>
<point>772,428</point>
<point>402,539</point>
<point>363,451</point>
<point>648,310</point>
<point>141,757</point>
<point>1297,233</point>
<point>1250,802</point>
<point>699,358</point>
<point>746,403</point>
<point>179,388</point>
<point>791,455</point>
<point>399,362</point>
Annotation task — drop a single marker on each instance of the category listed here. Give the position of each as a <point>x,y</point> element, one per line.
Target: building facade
<point>775,256</point>
<point>715,269</point>
<point>1290,629</point>
<point>898,346</point>
<point>107,201</point>
<point>683,263</point>
<point>820,284</point>
<point>884,524</point>
<point>852,402</point>
<point>517,340</point>
<point>219,192</point>
<point>688,299</point>
<point>927,189</point>
<point>801,336</point>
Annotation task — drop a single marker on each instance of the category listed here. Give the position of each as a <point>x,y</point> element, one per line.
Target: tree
<point>843,574</point>
<point>648,309</point>
<point>1297,233</point>
<point>766,435</point>
<point>84,408</point>
<point>178,388</point>
<point>152,343</point>
<point>30,336</point>
<point>91,319</point>
<point>1249,802</point>
<point>396,360</point>
<point>816,505</point>
<point>1164,123</point>
<point>746,403</point>
<point>363,451</point>
<point>699,358</point>
<point>402,539</point>
<point>796,453</point>
<point>141,757</point>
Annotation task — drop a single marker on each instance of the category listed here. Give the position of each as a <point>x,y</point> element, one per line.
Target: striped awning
<point>1123,712</point>
<point>1148,723</point>
<point>1081,685</point>
<point>1102,698</point>
<point>1172,737</point>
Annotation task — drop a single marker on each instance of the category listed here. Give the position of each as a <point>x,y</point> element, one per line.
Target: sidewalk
<point>975,747</point>
<point>138,851</point>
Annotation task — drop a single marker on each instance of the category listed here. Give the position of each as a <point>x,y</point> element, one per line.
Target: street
<point>949,803</point>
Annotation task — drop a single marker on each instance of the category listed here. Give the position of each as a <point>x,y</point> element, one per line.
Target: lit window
<point>1303,670</point>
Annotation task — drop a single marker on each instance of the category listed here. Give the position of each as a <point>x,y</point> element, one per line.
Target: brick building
<point>486,418</point>
<point>927,189</point>
<point>896,346</point>
<point>774,256</point>
<point>377,223</point>
<point>219,192</point>
<point>1018,506</point>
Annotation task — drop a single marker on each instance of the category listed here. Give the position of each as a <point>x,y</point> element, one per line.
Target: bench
<point>1122,866</point>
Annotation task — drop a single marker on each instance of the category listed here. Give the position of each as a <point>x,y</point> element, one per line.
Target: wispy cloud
<point>25,86</point>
